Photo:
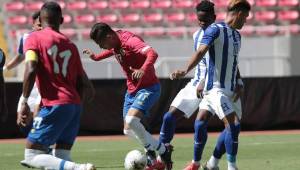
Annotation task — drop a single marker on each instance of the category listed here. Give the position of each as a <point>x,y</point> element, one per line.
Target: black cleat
<point>166,157</point>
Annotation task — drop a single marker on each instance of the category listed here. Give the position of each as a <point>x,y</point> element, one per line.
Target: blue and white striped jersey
<point>22,42</point>
<point>200,71</point>
<point>224,46</point>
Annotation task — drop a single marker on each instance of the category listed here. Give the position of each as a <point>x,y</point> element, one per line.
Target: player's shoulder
<point>199,30</point>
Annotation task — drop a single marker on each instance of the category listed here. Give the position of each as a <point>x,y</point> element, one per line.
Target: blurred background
<point>269,58</point>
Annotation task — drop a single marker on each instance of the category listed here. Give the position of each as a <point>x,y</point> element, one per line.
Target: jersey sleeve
<point>210,35</point>
<point>31,43</point>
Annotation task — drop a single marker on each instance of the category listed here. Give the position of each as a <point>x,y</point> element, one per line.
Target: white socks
<point>232,166</point>
<point>62,154</point>
<point>213,162</point>
<point>138,131</point>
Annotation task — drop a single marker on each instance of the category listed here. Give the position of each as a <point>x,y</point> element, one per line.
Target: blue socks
<point>200,138</point>
<point>231,141</point>
<point>220,145</point>
<point>167,128</point>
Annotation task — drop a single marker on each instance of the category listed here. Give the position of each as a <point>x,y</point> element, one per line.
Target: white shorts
<point>186,100</point>
<point>33,100</point>
<point>220,104</point>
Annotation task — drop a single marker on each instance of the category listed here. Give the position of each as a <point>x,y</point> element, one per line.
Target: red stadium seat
<point>175,17</point>
<point>220,3</point>
<point>247,30</point>
<point>62,4</point>
<point>34,5</point>
<point>67,18</point>
<point>161,4</point>
<point>130,18</point>
<point>289,3</point>
<point>154,32</point>
<point>288,15</point>
<point>191,17</point>
<point>221,16</point>
<point>69,32</point>
<point>182,3</point>
<point>76,5</point>
<point>176,31</point>
<point>107,18</point>
<point>14,6</point>
<point>136,30</point>
<point>267,30</point>
<point>118,4</point>
<point>265,15</point>
<point>153,17</point>
<point>266,3</point>
<point>18,20</point>
<point>139,4</point>
<point>84,19</point>
<point>100,4</point>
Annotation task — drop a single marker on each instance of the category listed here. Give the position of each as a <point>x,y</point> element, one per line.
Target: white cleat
<point>87,166</point>
<point>205,167</point>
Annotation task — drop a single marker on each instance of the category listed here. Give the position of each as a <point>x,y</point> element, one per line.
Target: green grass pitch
<point>256,152</point>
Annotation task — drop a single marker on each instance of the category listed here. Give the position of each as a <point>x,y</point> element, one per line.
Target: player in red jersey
<point>54,62</point>
<point>143,88</point>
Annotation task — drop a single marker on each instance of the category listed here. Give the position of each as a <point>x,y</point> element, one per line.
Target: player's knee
<point>234,129</point>
<point>169,117</point>
<point>131,120</point>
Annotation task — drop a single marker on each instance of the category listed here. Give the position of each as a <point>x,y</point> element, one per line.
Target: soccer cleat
<point>192,166</point>
<point>204,167</point>
<point>166,157</point>
<point>24,163</point>
<point>157,165</point>
<point>87,166</point>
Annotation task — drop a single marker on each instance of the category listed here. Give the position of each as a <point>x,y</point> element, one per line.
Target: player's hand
<point>24,116</point>
<point>136,73</point>
<point>238,92</point>
<point>178,74</point>
<point>199,90</point>
<point>89,53</point>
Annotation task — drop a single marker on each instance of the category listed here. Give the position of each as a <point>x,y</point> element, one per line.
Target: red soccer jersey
<point>133,53</point>
<point>58,69</point>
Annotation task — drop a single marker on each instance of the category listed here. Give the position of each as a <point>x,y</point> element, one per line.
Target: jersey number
<point>53,51</point>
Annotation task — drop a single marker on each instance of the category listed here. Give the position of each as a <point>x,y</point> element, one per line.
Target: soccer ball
<point>135,160</point>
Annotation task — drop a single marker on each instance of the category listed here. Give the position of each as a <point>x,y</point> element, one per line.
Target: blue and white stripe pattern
<point>225,44</point>
<point>22,43</point>
<point>200,71</point>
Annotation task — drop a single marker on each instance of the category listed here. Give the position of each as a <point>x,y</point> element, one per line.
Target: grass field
<point>266,151</point>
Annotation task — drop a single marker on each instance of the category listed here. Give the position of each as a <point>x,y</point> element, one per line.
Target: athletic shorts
<point>33,100</point>
<point>56,124</point>
<point>142,100</point>
<point>216,102</point>
<point>186,100</point>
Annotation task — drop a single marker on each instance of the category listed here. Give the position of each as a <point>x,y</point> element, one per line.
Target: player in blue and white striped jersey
<point>222,41</point>
<point>187,102</point>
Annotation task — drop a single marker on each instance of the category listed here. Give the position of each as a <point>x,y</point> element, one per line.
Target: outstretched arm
<point>98,57</point>
<point>14,62</point>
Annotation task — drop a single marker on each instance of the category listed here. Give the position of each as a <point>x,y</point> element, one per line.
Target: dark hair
<point>100,30</point>
<point>205,6</point>
<point>35,15</point>
<point>239,5</point>
<point>53,11</point>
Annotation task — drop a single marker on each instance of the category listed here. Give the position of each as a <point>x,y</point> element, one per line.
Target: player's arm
<point>210,35</point>
<point>18,58</point>
<point>97,57</point>
<point>239,89</point>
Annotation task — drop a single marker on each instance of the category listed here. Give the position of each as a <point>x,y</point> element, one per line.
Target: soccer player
<point>54,61</point>
<point>3,106</point>
<point>143,88</point>
<point>34,99</point>
<point>223,42</point>
<point>188,99</point>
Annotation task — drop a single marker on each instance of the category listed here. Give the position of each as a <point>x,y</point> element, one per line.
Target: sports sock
<point>38,159</point>
<point>231,142</point>
<point>62,154</point>
<point>200,138</point>
<point>212,162</point>
<point>220,145</point>
<point>167,128</point>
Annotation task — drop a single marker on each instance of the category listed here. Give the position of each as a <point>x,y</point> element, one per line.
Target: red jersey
<point>133,53</point>
<point>58,68</point>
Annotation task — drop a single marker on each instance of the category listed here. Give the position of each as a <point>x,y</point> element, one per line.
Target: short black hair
<point>100,30</point>
<point>239,5</point>
<point>53,11</point>
<point>35,15</point>
<point>206,6</point>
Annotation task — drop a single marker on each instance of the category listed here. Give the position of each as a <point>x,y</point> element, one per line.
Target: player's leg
<point>47,128</point>
<point>185,104</point>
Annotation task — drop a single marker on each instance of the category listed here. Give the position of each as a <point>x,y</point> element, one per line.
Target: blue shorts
<point>56,124</point>
<point>142,100</point>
